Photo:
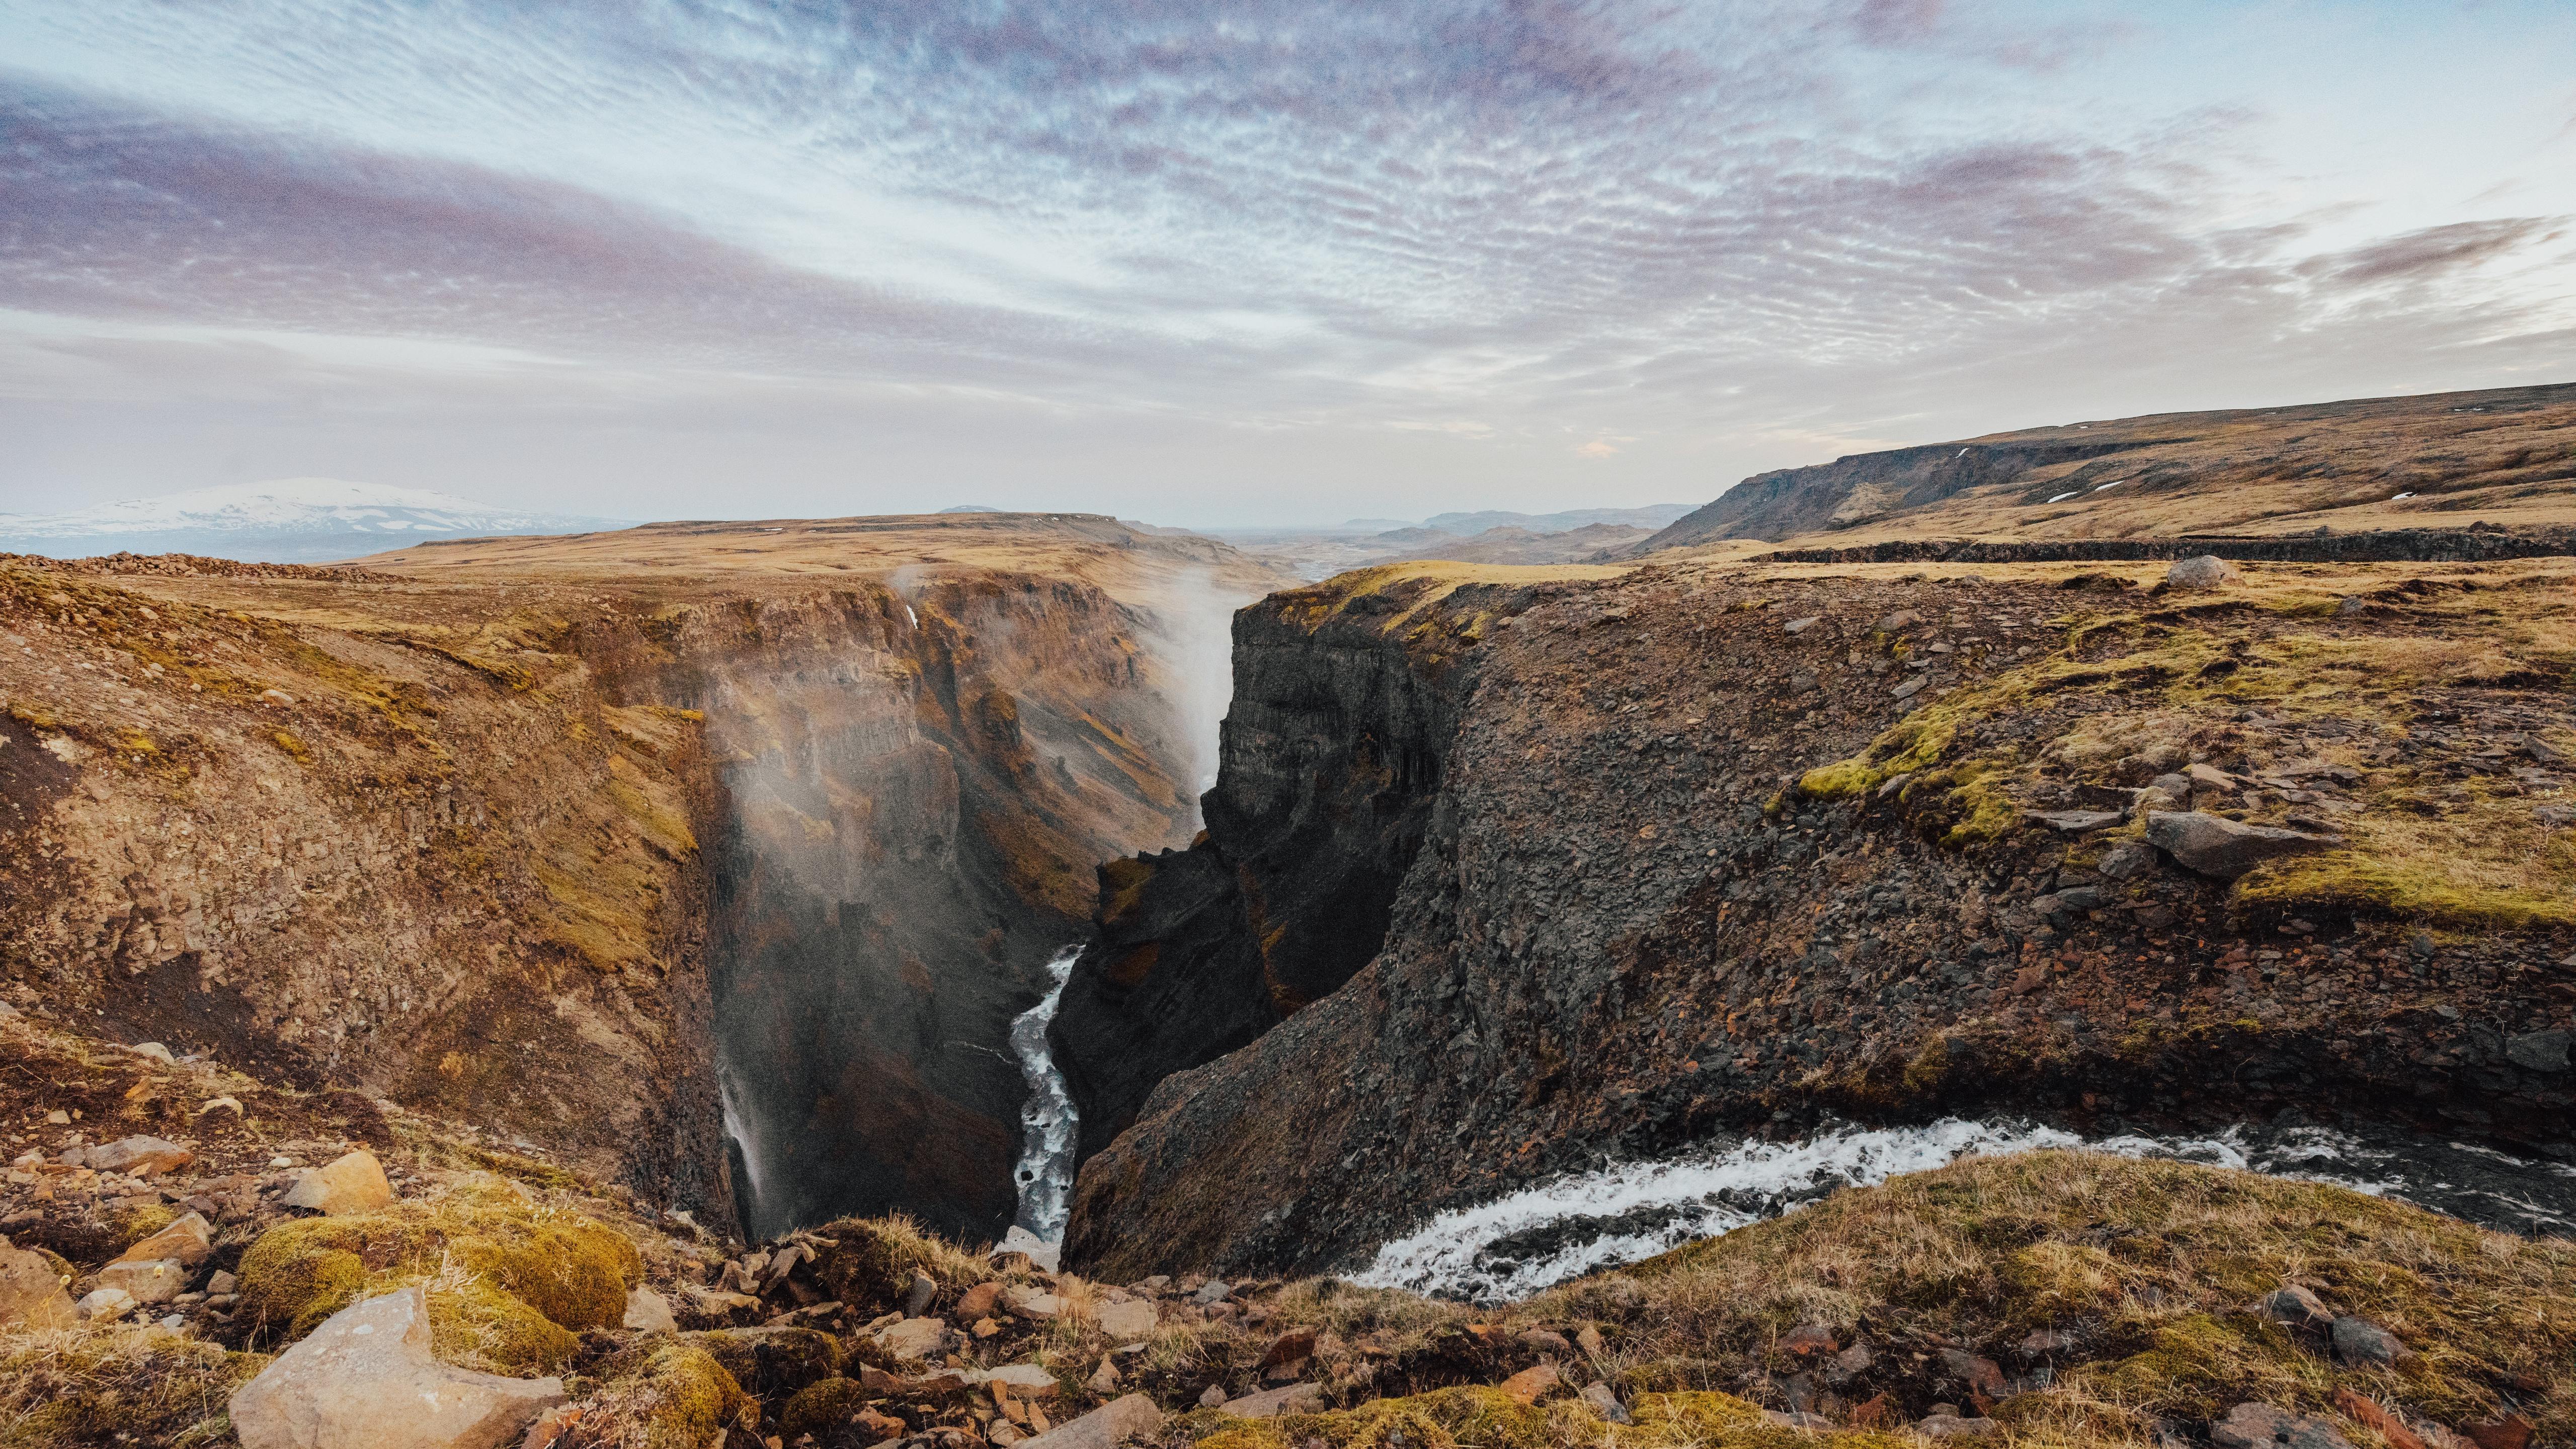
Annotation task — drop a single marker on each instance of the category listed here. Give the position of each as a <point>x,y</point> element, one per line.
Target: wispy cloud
<point>1481,226</point>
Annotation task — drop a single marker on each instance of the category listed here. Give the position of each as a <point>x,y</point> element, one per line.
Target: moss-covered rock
<point>820,1408</point>
<point>478,1325</point>
<point>660,1395</point>
<point>869,1262</point>
<point>516,1280</point>
<point>771,1363</point>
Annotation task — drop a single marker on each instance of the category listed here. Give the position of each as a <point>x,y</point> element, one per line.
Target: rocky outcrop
<point>1688,870</point>
<point>1346,701</point>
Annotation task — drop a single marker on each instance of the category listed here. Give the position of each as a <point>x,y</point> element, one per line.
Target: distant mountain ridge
<point>2504,455</point>
<point>1467,525</point>
<point>284,520</point>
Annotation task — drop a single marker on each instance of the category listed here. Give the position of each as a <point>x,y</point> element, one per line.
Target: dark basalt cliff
<point>1330,766</point>
<point>1716,851</point>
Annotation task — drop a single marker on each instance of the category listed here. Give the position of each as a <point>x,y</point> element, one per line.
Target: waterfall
<point>1047,1120</point>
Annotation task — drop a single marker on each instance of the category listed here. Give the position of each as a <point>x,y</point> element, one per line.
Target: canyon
<point>718,864</point>
<point>771,916</point>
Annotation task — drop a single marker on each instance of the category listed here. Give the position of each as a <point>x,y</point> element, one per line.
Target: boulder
<point>2362,1343</point>
<point>187,1241</point>
<point>354,1183</point>
<point>1041,1254</point>
<point>1212,1397</point>
<point>648,1312</point>
<point>1599,1398</point>
<point>2540,1051</point>
<point>2224,849</point>
<point>366,1380</point>
<point>914,1338</point>
<point>139,1156</point>
<point>924,1292</point>
<point>105,1305</point>
<point>1035,1307</point>
<point>1951,1426</point>
<point>979,1301</point>
<point>2208,571</point>
<point>146,1280</point>
<point>2268,1426</point>
<point>1105,1379</point>
<point>1801,1419</point>
<point>1103,1427</point>
<point>1025,1380</point>
<point>31,1292</point>
<point>1526,1386</point>
<point>2296,1307</point>
<point>1212,1291</point>
<point>1129,1321</point>
<point>1299,1343</point>
<point>1271,1403</point>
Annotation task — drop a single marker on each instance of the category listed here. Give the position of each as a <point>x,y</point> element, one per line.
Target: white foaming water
<point>1047,1120</point>
<point>746,1193</point>
<point>1582,1222</point>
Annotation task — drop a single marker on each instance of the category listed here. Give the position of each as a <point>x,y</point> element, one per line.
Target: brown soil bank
<point>1714,848</point>
<point>553,835</point>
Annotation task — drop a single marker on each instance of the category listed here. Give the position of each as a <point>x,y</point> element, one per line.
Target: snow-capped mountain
<point>285,520</point>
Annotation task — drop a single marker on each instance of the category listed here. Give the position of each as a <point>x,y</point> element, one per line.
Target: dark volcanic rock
<point>1331,763</point>
<point>2216,846</point>
<point>1627,927</point>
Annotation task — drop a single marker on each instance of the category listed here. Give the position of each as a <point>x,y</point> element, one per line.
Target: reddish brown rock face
<point>531,835</point>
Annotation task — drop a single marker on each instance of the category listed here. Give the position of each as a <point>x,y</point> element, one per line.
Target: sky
<point>1262,263</point>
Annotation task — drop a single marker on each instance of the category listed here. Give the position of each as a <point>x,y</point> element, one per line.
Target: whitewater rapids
<point>1048,1121</point>
<point>1584,1222</point>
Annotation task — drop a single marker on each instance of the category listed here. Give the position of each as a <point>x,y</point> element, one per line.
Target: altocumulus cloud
<point>1579,228</point>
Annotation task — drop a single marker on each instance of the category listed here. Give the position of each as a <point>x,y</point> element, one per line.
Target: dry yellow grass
<point>2459,855</point>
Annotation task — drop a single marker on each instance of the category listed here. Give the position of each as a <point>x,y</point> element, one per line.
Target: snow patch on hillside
<point>290,505</point>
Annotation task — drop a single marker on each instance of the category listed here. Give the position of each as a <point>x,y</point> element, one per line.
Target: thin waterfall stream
<point>1047,1120</point>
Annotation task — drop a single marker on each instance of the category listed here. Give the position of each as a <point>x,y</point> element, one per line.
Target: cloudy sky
<point>1268,261</point>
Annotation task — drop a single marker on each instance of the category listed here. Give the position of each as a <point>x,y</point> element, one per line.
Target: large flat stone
<point>1129,1321</point>
<point>1102,1428</point>
<point>2224,849</point>
<point>354,1183</point>
<point>148,1280</point>
<point>187,1241</point>
<point>914,1338</point>
<point>141,1156</point>
<point>1271,1403</point>
<point>365,1380</point>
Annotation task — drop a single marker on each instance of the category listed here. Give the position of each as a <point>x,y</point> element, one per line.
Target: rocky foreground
<point>246,1279</point>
